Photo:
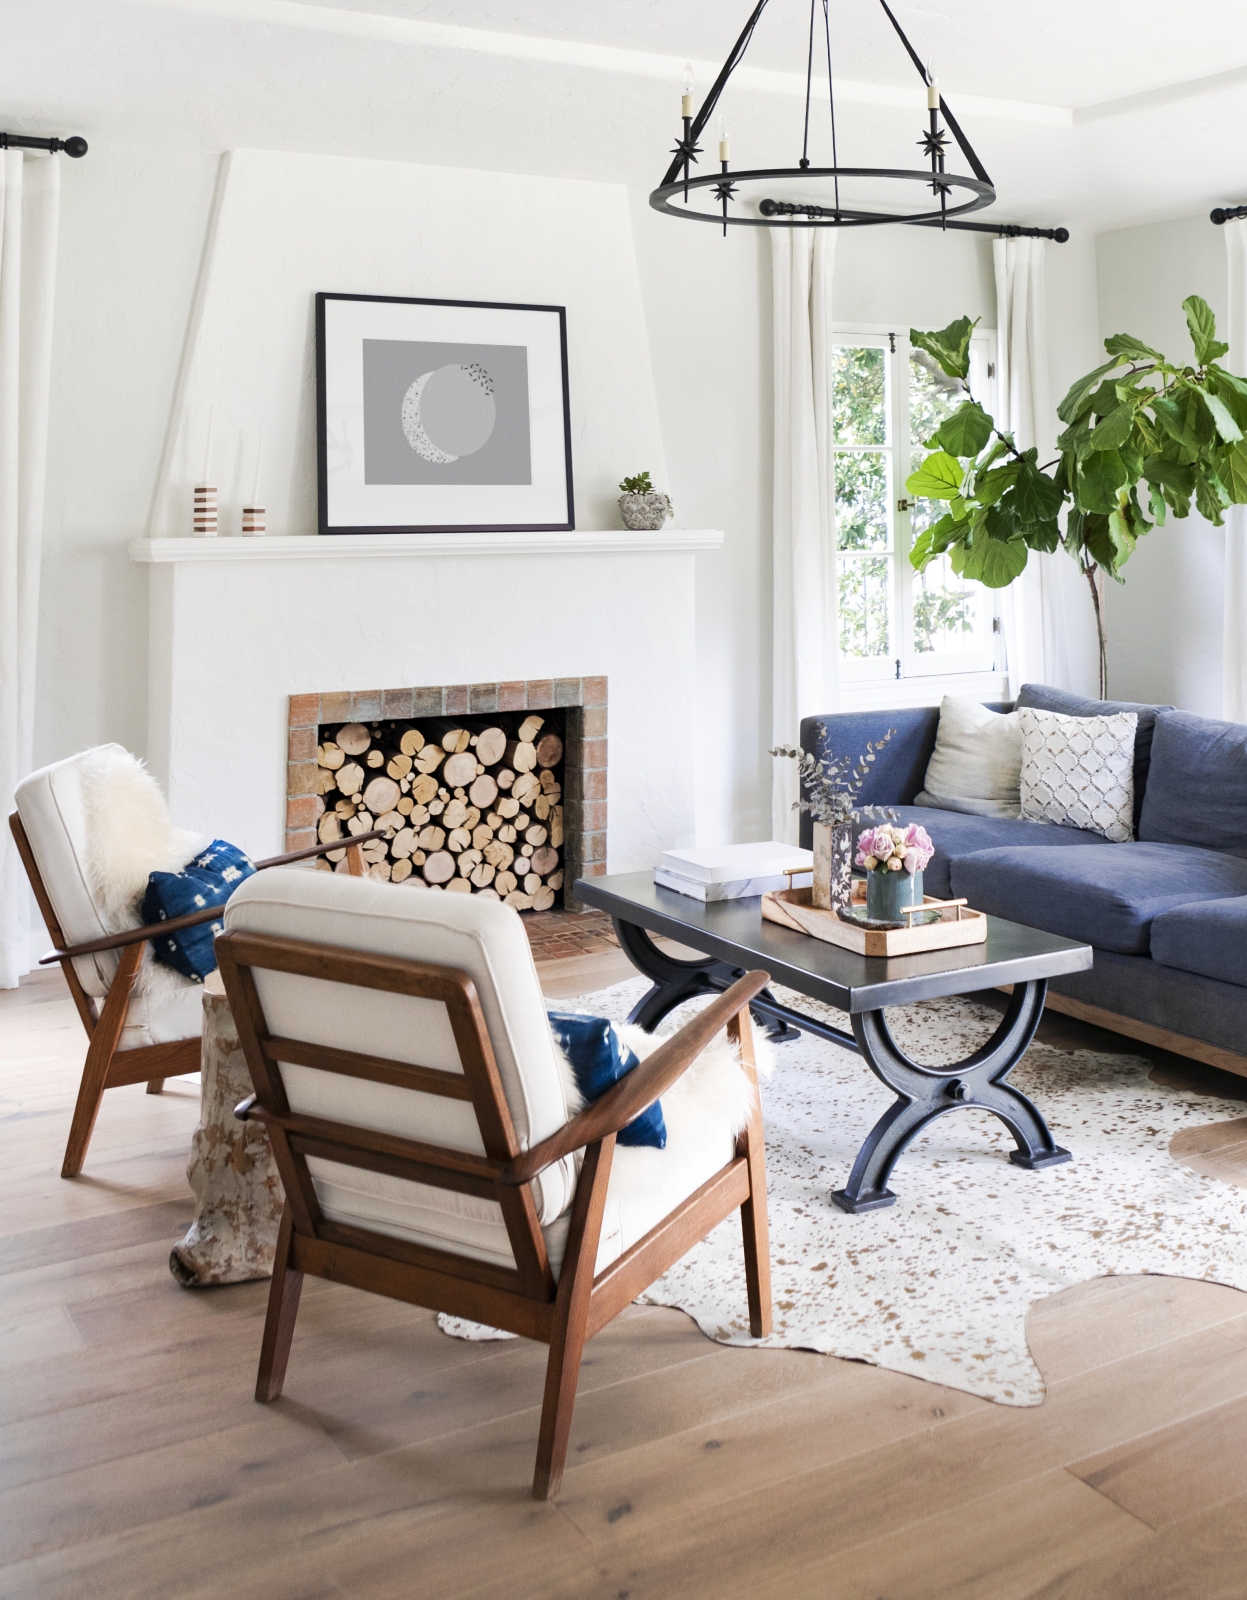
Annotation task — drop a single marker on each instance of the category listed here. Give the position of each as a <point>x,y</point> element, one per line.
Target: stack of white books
<point>732,871</point>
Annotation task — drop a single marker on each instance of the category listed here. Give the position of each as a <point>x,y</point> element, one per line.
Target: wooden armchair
<point>405,1072</point>
<point>132,1038</point>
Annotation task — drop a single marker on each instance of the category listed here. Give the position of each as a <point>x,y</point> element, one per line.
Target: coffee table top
<point>734,931</point>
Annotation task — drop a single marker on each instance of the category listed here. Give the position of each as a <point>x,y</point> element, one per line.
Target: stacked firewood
<point>472,811</point>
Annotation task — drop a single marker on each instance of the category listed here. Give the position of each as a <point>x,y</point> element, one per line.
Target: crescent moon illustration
<point>413,426</point>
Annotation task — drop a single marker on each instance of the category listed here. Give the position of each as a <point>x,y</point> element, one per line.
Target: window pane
<point>933,396</point>
<point>864,606</point>
<point>859,399</point>
<point>946,612</point>
<point>862,521</point>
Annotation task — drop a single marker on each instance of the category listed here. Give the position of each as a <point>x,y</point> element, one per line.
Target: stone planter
<point>833,867</point>
<point>644,511</point>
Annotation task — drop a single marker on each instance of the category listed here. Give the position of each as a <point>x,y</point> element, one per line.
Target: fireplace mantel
<point>305,547</point>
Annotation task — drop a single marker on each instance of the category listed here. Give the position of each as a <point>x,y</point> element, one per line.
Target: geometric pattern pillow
<point>1079,771</point>
<point>208,880</point>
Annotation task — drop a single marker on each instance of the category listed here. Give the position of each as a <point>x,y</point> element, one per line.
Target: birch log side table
<point>238,1195</point>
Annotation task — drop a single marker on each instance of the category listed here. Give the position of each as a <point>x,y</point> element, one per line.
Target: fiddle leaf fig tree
<point>1144,439</point>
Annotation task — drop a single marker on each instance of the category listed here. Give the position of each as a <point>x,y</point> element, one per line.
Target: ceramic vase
<point>833,867</point>
<point>888,892</point>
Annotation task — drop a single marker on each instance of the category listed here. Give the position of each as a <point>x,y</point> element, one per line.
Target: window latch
<point>903,505</point>
<point>898,667</point>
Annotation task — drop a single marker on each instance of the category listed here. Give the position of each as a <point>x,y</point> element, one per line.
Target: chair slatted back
<point>298,1135</point>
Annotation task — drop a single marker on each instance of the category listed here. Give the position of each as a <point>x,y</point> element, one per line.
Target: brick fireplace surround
<point>584,796</point>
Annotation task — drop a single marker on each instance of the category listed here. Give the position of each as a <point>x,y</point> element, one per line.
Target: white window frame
<point>982,666</point>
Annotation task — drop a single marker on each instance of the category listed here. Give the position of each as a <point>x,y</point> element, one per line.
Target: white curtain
<point>1037,608</point>
<point>806,660</point>
<point>1234,652</point>
<point>29,207</point>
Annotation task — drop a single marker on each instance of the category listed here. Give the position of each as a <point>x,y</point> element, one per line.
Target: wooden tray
<point>958,925</point>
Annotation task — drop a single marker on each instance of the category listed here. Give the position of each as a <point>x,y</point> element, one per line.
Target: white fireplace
<point>238,626</point>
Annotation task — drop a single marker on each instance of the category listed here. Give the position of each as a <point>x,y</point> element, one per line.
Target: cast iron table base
<point>922,1093</point>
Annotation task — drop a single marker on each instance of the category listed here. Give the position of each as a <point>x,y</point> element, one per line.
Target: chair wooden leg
<point>571,1318</point>
<point>753,1218</point>
<point>155,1085</point>
<point>99,1058</point>
<point>283,1308</point>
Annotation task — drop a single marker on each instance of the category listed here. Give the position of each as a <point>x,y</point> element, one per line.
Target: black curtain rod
<point>1006,230</point>
<point>1227,214</point>
<point>75,145</point>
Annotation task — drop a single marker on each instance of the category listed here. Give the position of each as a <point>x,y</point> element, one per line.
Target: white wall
<point>1165,622</point>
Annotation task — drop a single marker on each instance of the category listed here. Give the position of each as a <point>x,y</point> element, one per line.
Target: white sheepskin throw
<point>130,834</point>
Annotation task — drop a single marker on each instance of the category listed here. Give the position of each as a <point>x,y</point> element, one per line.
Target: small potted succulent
<point>894,859</point>
<point>641,505</point>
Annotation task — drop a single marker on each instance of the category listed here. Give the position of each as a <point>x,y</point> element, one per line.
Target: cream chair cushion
<point>481,937</point>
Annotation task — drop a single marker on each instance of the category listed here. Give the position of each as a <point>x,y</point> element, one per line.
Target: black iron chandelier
<point>726,197</point>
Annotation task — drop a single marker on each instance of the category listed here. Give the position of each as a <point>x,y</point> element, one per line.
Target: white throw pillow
<point>977,760</point>
<point>1079,771</point>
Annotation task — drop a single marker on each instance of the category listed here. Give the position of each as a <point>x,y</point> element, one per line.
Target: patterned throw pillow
<point>599,1058</point>
<point>1079,771</point>
<point>208,880</point>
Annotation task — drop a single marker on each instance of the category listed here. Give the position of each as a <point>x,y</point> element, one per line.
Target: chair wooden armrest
<point>117,941</point>
<point>640,1088</point>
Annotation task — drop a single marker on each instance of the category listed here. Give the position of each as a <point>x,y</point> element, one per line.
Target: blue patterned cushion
<point>599,1058</point>
<point>208,880</point>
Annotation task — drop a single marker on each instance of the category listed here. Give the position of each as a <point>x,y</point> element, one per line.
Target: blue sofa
<point>1166,913</point>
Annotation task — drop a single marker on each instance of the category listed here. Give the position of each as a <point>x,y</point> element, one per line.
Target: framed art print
<point>437,415</point>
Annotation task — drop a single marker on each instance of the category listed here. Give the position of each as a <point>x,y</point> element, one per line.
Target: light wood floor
<point>136,1464</point>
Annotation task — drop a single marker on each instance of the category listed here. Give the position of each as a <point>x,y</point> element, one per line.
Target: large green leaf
<point>1114,430</point>
<point>1075,402</point>
<point>950,346</point>
<point>966,432</point>
<point>1211,498</point>
<point>1221,418</point>
<point>1102,475</point>
<point>1125,344</point>
<point>989,487</point>
<point>938,478</point>
<point>1177,419</point>
<point>1045,536</point>
<point>1036,496</point>
<point>1077,438</point>
<point>995,562</point>
<point>1203,326</point>
<point>1234,476</point>
<point>1110,541</point>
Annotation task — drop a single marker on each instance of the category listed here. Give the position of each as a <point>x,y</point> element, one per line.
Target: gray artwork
<point>445,413</point>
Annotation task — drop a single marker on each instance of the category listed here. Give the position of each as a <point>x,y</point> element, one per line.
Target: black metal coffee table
<point>735,939</point>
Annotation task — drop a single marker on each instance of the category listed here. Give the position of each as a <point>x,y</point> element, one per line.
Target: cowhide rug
<point>939,1284</point>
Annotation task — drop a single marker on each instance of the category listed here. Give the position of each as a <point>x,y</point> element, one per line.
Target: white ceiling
<point>1093,113</point>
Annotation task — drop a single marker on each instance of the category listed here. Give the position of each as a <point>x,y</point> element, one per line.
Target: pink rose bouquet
<point>895,849</point>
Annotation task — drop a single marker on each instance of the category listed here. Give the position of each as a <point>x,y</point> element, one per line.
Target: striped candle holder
<point>253,520</point>
<point>205,511</point>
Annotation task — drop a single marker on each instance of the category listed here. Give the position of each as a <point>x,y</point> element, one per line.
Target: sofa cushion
<point>1079,771</point>
<point>976,761</point>
<point>1197,791</point>
<point>954,833</point>
<point>1107,894</point>
<point>1209,937</point>
<point>1043,698</point>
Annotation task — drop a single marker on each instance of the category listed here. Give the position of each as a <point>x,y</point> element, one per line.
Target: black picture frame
<point>324,379</point>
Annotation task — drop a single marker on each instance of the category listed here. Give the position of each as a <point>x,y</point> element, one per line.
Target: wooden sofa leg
<point>283,1308</point>
<point>753,1217</point>
<point>99,1058</point>
<point>155,1085</point>
<point>571,1318</point>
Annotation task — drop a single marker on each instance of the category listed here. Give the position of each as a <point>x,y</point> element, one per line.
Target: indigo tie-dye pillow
<point>599,1058</point>
<point>208,880</point>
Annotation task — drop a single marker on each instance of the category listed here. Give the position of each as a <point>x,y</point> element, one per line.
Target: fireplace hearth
<point>495,789</point>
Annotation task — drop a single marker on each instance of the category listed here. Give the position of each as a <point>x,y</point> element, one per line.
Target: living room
<point>392,480</point>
